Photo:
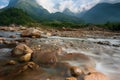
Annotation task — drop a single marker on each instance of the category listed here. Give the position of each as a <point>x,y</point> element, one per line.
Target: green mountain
<point>14,16</point>
<point>31,7</point>
<point>39,13</point>
<point>102,13</point>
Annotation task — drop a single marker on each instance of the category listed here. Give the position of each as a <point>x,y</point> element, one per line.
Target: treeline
<point>19,17</point>
<point>14,16</point>
<point>112,26</point>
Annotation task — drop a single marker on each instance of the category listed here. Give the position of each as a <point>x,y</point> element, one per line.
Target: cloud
<point>59,5</point>
<point>3,3</point>
<point>2,6</point>
<point>73,5</point>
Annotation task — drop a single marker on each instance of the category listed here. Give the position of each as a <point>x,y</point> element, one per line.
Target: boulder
<point>75,71</point>
<point>71,78</point>
<point>45,58</point>
<point>31,32</point>
<point>96,76</point>
<point>23,52</point>
<point>21,49</point>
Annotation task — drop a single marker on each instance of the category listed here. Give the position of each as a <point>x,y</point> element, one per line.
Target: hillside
<point>14,16</point>
<point>36,11</point>
<point>102,13</point>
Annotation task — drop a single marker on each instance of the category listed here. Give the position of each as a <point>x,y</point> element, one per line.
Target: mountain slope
<point>39,13</point>
<point>31,7</point>
<point>14,16</point>
<point>102,13</point>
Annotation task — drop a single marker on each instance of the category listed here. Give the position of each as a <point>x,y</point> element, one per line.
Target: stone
<point>26,57</point>
<point>27,66</point>
<point>96,76</point>
<point>75,71</point>
<point>1,38</point>
<point>11,62</point>
<point>71,78</point>
<point>13,36</point>
<point>45,58</point>
<point>31,32</point>
<point>21,49</point>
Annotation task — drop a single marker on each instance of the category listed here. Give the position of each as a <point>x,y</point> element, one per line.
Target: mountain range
<point>101,13</point>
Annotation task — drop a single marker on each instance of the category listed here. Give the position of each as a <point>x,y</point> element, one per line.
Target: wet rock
<point>45,35</point>
<point>71,78</point>
<point>45,58</point>
<point>11,62</point>
<point>1,38</point>
<point>27,66</point>
<point>21,49</point>
<point>26,57</point>
<point>96,76</point>
<point>23,52</point>
<point>75,71</point>
<point>104,42</point>
<point>31,32</point>
<point>13,36</point>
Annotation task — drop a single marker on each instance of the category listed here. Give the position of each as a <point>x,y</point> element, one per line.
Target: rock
<point>27,66</point>
<point>23,28</point>
<point>31,32</point>
<point>26,57</point>
<point>23,52</point>
<point>13,36</point>
<point>104,42</point>
<point>2,38</point>
<point>45,58</point>
<point>21,49</point>
<point>11,62</point>
<point>75,71</point>
<point>71,78</point>
<point>96,76</point>
<point>46,35</point>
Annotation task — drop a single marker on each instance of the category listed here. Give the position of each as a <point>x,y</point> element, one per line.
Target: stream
<point>105,56</point>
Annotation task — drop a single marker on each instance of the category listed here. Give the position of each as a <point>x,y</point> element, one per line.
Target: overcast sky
<point>60,5</point>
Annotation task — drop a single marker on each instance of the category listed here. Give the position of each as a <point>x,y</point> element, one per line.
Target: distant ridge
<point>102,13</point>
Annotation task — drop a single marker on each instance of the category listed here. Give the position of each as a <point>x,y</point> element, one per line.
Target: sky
<point>59,5</point>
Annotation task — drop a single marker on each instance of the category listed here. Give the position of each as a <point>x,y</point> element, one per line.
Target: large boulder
<point>23,52</point>
<point>21,49</point>
<point>45,58</point>
<point>31,32</point>
<point>96,76</point>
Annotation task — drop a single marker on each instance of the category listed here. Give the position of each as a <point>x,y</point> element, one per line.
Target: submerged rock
<point>75,71</point>
<point>11,62</point>
<point>71,78</point>
<point>96,76</point>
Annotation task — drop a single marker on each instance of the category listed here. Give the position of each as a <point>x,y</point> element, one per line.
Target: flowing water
<point>106,57</point>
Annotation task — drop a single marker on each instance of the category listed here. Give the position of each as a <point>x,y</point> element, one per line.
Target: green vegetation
<point>14,16</point>
<point>19,17</point>
<point>111,26</point>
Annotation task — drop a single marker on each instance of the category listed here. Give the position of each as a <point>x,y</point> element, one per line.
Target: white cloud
<point>2,6</point>
<point>73,5</point>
